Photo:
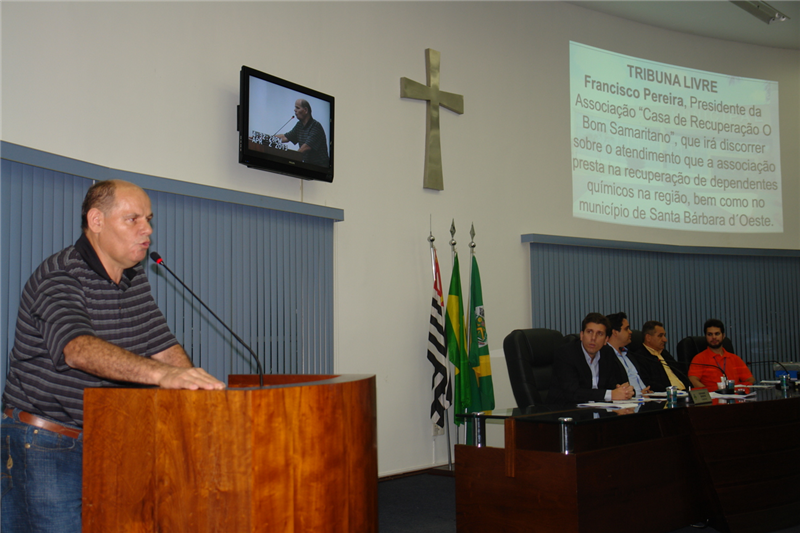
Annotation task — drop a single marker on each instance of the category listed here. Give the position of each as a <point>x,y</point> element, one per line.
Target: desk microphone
<point>654,360</point>
<point>788,375</point>
<point>724,375</point>
<point>748,363</point>
<point>157,258</point>
<point>674,368</point>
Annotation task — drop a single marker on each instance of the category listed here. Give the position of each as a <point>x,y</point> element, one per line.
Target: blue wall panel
<point>757,296</point>
<point>39,214</point>
<point>267,273</point>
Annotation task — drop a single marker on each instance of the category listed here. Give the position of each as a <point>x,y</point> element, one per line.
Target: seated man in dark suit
<point>616,346</point>
<point>581,374</point>
<point>657,367</point>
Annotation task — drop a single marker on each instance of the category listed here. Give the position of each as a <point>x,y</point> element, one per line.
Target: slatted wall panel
<point>757,296</point>
<point>40,213</point>
<point>267,273</point>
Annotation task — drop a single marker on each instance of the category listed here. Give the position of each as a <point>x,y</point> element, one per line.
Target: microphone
<point>157,258</point>
<point>748,363</point>
<point>681,372</point>
<point>788,375</point>
<point>724,375</point>
<point>284,124</point>
<point>651,359</point>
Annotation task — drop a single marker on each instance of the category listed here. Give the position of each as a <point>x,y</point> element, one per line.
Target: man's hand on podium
<point>189,378</point>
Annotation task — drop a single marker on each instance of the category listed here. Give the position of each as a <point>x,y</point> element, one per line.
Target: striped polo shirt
<point>70,295</point>
<point>313,135</point>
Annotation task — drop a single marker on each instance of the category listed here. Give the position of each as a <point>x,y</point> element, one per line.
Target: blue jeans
<point>41,479</point>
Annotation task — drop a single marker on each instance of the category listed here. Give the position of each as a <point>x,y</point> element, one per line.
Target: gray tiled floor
<point>425,503</point>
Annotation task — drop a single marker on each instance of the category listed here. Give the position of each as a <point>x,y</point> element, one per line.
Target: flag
<point>442,393</point>
<point>456,342</point>
<point>482,389</point>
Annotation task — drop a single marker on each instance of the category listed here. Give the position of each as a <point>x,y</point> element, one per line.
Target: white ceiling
<point>720,19</point>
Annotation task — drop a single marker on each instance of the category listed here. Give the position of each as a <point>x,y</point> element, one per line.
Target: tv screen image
<point>285,127</point>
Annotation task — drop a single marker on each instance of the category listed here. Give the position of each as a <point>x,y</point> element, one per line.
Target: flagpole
<point>431,238</point>
<point>452,264</point>
<point>472,246</point>
<point>469,431</point>
<point>482,398</point>
<point>471,255</point>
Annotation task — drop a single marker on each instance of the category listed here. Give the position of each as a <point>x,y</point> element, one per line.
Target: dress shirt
<point>594,366</point>
<point>633,375</point>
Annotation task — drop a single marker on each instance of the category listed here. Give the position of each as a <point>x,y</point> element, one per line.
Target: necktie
<point>673,379</point>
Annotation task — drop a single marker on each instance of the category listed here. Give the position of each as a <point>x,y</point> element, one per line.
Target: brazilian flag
<point>481,388</point>
<point>456,343</point>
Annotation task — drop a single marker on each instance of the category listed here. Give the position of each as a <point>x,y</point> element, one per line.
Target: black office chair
<point>688,347</point>
<point>637,341</point>
<point>571,337</point>
<point>529,358</point>
<point>636,344</point>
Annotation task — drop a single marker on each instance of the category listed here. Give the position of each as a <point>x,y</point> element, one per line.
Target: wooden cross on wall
<point>454,102</point>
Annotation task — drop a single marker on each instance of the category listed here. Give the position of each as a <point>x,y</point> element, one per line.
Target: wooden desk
<point>750,453</point>
<point>658,470</point>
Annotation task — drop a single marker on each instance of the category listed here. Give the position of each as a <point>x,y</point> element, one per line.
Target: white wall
<point>152,88</point>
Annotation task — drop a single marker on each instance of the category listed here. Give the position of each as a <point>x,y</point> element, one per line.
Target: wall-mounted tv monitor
<point>285,127</point>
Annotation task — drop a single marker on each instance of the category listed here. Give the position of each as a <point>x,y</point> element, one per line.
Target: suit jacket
<point>572,377</point>
<point>652,371</point>
<point>637,363</point>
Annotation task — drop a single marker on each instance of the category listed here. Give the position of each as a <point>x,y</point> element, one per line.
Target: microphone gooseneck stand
<point>157,258</point>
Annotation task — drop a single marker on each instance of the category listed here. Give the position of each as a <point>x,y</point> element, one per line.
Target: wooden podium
<point>298,455</point>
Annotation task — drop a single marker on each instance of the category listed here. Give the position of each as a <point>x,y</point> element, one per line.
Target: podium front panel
<point>295,456</point>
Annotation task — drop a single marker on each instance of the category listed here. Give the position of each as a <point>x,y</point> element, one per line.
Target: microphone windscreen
<point>155,257</point>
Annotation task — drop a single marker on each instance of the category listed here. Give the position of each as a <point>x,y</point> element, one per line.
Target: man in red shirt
<point>708,366</point>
